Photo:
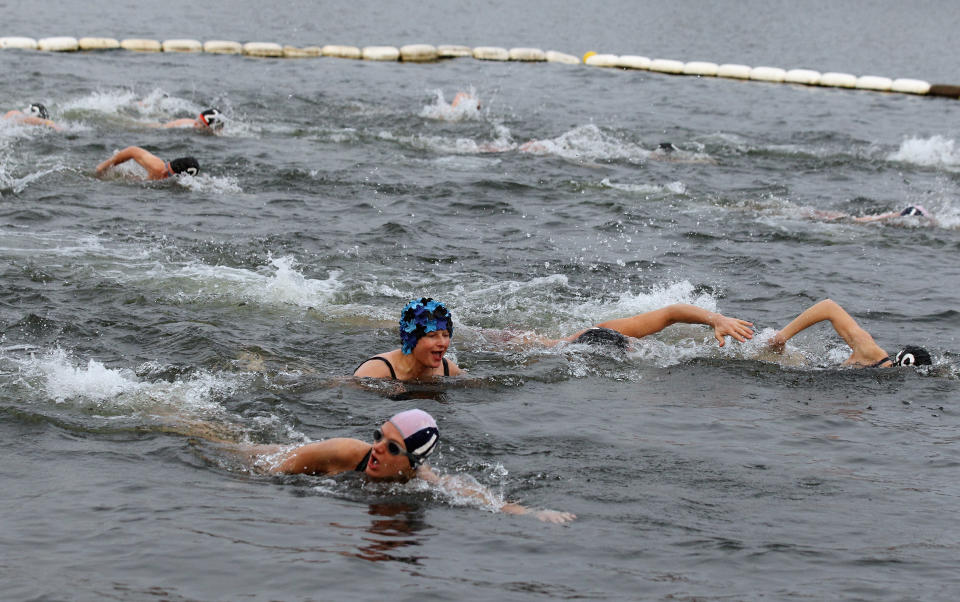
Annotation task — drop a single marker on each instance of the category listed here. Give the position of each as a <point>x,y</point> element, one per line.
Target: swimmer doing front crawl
<point>866,352</point>
<point>157,168</point>
<point>35,114</point>
<point>210,120</point>
<point>426,327</point>
<point>397,454</point>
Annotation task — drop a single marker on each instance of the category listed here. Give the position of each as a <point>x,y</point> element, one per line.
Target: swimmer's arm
<point>486,497</point>
<point>654,321</point>
<point>877,218</point>
<point>39,121</point>
<point>331,456</point>
<point>152,163</point>
<point>864,347</point>
<point>180,123</point>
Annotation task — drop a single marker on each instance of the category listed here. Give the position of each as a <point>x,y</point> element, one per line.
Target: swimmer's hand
<point>547,516</point>
<point>777,342</point>
<point>738,329</point>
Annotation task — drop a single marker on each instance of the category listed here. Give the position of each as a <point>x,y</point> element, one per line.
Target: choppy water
<point>340,189</point>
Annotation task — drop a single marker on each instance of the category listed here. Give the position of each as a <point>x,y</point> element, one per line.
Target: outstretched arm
<point>865,349</point>
<point>654,321</point>
<point>154,165</point>
<point>486,497</point>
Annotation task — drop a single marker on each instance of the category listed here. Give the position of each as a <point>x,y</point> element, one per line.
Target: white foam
<point>204,182</point>
<point>587,142</point>
<point>119,390</point>
<point>933,151</point>
<point>278,284</point>
<point>671,187</point>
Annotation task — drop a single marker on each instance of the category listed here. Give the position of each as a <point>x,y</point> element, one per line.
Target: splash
<point>935,151</point>
<point>464,106</point>
<point>671,187</point>
<point>119,390</point>
<point>283,286</point>
<point>208,183</point>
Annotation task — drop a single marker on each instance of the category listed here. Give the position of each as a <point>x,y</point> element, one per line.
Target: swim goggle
<point>394,448</point>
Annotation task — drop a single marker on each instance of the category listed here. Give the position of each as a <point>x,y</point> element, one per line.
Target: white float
<point>295,52</point>
<point>802,76</point>
<point>182,46</point>
<point>313,51</point>
<point>554,56</point>
<point>342,52</point>
<point>263,49</point>
<point>666,66</point>
<point>418,53</point>
<point>768,74</point>
<point>838,80</point>
<point>874,82</point>
<point>451,51</point>
<point>18,42</point>
<point>527,54</point>
<point>381,53</point>
<point>632,61</point>
<point>58,44</point>
<point>98,43</point>
<point>910,86</point>
<point>733,71</point>
<point>704,68</point>
<point>222,47</point>
<point>602,60</point>
<point>491,53</point>
<point>141,45</point>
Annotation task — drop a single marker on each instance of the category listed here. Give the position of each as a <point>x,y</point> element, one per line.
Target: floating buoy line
<point>423,53</point>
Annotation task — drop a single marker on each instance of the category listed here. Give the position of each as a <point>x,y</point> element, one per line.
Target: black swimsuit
<point>393,375</point>
<point>362,466</point>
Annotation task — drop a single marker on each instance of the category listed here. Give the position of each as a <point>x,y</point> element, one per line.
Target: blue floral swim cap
<point>420,317</point>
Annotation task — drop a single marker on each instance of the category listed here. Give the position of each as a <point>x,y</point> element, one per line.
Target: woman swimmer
<point>210,120</point>
<point>866,352</point>
<point>911,211</point>
<point>35,114</point>
<point>157,168</point>
<point>397,453</point>
<point>426,327</point>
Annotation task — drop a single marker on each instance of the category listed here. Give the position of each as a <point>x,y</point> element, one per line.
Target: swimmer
<point>400,447</point>
<point>911,211</point>
<point>866,352</point>
<point>157,168</point>
<point>426,327</point>
<point>35,114</point>
<point>210,120</point>
<point>466,99</point>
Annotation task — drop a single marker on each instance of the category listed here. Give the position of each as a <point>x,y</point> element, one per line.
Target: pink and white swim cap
<point>419,431</point>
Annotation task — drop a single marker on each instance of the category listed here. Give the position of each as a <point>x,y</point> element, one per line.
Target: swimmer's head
<point>187,165</point>
<point>420,317</point>
<point>37,110</point>
<point>667,147</point>
<point>602,336</point>
<point>420,434</point>
<point>916,210</point>
<point>913,356</point>
<point>213,119</point>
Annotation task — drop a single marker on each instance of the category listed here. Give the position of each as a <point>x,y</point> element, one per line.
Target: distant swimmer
<point>157,168</point>
<point>398,453</point>
<point>211,120</point>
<point>35,114</point>
<point>910,211</point>
<point>426,327</point>
<point>466,99</point>
<point>866,353</point>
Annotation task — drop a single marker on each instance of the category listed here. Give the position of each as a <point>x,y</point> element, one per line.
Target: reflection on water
<point>395,526</point>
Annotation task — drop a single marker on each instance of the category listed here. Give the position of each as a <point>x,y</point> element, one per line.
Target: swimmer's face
<point>384,465</point>
<point>431,348</point>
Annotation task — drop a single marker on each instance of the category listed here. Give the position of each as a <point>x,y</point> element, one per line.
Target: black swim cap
<point>186,165</point>
<point>913,210</point>
<point>602,336</point>
<point>913,356</point>
<point>667,147</point>
<point>213,118</point>
<point>38,110</point>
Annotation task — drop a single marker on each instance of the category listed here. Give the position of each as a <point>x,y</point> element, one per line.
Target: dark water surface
<point>131,312</point>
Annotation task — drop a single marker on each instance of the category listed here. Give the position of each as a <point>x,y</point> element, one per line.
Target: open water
<point>242,299</point>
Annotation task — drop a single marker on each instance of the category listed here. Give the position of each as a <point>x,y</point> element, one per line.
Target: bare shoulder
<point>377,366</point>
<point>330,456</point>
